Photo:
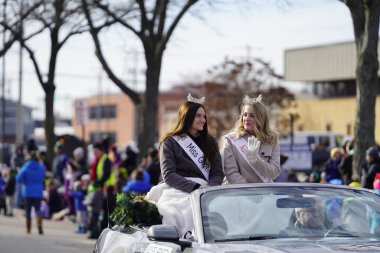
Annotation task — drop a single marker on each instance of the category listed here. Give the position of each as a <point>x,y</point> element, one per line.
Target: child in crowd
<point>9,189</point>
<point>81,210</point>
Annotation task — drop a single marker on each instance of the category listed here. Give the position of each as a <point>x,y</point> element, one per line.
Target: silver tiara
<point>252,100</point>
<point>195,100</point>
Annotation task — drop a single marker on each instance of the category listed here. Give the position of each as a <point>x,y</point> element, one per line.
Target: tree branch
<point>34,34</point>
<point>119,20</point>
<point>145,25</point>
<point>156,11</point>
<point>162,18</point>
<point>8,45</point>
<point>99,54</point>
<point>358,19</point>
<point>175,23</point>
<point>35,64</point>
<point>60,44</point>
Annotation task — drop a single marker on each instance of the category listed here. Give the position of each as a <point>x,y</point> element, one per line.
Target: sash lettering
<point>241,145</point>
<point>192,150</point>
<point>195,153</point>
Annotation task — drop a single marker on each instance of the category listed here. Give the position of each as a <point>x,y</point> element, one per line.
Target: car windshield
<point>258,213</point>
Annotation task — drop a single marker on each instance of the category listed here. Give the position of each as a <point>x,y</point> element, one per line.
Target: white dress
<point>174,205</point>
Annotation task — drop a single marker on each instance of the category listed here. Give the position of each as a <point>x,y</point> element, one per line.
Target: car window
<point>248,214</point>
<point>280,212</point>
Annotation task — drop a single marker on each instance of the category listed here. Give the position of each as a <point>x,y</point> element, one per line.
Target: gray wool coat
<point>238,171</point>
<point>176,165</point>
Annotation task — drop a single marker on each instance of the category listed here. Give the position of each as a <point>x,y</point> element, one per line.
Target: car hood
<point>295,246</point>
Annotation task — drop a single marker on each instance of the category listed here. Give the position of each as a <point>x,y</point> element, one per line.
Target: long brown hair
<point>185,119</point>
<point>262,129</point>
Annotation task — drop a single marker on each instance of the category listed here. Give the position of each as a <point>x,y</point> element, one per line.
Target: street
<point>59,237</point>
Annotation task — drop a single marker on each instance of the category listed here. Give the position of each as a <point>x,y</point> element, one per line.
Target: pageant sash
<point>241,145</point>
<point>194,152</point>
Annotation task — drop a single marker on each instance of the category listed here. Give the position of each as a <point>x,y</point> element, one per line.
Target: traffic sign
<point>81,112</point>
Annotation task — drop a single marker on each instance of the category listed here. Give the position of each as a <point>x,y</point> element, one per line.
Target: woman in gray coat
<point>201,159</point>
<point>251,151</point>
<point>189,160</point>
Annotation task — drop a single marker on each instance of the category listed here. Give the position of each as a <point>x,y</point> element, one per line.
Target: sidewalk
<point>59,236</point>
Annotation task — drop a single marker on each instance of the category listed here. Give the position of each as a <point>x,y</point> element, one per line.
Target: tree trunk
<point>150,102</point>
<point>49,122</point>
<point>365,16</point>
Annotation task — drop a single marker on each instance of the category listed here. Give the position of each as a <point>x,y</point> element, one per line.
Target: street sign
<point>81,112</point>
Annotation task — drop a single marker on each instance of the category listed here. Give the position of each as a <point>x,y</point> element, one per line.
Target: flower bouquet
<point>133,210</point>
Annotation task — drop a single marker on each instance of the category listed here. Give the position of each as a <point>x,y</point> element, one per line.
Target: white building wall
<point>321,63</point>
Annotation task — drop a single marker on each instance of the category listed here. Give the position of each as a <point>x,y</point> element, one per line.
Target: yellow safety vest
<point>99,172</point>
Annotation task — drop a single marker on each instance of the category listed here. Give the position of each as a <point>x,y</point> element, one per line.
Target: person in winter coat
<point>345,166</point>
<point>332,165</point>
<point>130,163</point>
<point>32,175</point>
<point>94,201</point>
<point>252,151</point>
<point>372,167</point>
<point>60,161</point>
<point>177,161</point>
<point>81,210</point>
<point>189,160</point>
<point>137,183</point>
<point>9,190</point>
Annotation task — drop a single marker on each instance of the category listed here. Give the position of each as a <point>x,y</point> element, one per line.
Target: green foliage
<point>133,209</point>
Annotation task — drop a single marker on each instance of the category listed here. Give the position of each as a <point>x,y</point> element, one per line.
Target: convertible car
<point>291,217</point>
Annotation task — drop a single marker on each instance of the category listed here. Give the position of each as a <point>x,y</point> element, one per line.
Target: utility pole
<point>20,111</point>
<point>248,50</point>
<point>134,71</point>
<point>99,107</point>
<point>3,104</point>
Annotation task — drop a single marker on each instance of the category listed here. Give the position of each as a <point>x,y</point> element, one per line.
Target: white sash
<point>194,152</point>
<point>241,145</point>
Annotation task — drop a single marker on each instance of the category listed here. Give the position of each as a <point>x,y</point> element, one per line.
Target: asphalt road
<point>59,237</point>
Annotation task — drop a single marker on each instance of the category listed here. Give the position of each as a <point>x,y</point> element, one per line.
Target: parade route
<point>59,237</point>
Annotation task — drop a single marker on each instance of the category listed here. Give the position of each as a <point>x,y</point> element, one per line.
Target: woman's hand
<point>252,152</point>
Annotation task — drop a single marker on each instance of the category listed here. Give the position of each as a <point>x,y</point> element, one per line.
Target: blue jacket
<point>78,200</point>
<point>32,175</point>
<point>139,186</point>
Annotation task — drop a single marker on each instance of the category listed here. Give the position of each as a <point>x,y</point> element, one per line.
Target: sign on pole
<point>81,112</point>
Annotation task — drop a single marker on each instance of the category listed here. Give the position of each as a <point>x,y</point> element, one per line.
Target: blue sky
<point>264,30</point>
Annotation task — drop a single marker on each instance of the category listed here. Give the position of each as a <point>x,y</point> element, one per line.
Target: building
<point>330,70</point>
<point>10,119</point>
<point>113,115</point>
<point>116,116</point>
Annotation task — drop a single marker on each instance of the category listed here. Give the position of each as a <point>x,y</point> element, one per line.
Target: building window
<point>96,136</point>
<point>103,112</point>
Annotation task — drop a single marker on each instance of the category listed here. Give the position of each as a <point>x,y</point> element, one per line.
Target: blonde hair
<point>262,129</point>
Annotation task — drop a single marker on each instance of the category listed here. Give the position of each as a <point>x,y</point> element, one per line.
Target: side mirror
<point>163,233</point>
<point>167,233</point>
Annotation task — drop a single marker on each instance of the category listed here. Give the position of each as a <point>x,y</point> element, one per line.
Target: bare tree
<point>11,22</point>
<point>230,81</point>
<point>153,22</point>
<point>365,17</point>
<point>61,20</point>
